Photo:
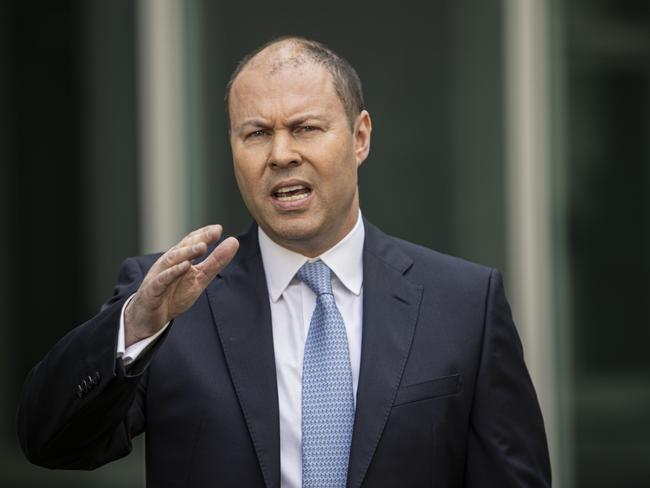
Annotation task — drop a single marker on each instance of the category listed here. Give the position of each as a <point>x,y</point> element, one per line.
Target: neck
<point>317,246</point>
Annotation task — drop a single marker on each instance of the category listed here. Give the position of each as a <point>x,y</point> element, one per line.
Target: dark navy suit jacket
<point>444,398</point>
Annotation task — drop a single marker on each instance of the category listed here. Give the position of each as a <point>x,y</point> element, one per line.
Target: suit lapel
<point>390,309</point>
<point>240,305</point>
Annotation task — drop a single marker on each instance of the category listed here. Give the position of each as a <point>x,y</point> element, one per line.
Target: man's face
<point>294,153</point>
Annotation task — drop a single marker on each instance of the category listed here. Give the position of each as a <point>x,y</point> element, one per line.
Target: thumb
<point>219,258</point>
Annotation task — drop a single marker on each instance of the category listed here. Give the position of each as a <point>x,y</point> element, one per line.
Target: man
<point>312,351</point>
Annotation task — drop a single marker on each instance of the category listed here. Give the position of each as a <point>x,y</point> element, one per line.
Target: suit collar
<point>385,248</point>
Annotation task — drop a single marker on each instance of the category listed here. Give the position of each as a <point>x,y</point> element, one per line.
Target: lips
<point>291,195</point>
<point>291,191</point>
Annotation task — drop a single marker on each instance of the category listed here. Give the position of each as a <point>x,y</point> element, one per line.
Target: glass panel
<point>72,188</point>
<point>608,221</point>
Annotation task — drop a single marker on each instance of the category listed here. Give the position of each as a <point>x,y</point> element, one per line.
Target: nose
<point>283,151</point>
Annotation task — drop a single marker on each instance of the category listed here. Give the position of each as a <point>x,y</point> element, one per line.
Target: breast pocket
<point>438,387</point>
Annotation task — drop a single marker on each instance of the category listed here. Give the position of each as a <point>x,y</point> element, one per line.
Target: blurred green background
<point>552,186</point>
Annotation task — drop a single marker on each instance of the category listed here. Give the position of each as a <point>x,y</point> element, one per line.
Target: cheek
<point>340,166</point>
<point>246,188</point>
<point>246,174</point>
<point>239,178</point>
<point>347,171</point>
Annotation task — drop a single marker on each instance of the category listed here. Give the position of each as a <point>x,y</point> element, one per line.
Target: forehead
<point>281,83</point>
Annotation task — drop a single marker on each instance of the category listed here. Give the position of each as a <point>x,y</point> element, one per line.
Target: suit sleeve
<point>80,407</point>
<point>507,441</point>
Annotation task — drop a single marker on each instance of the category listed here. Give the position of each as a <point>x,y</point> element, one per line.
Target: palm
<point>184,292</point>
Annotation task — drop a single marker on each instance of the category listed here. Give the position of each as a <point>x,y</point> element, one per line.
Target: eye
<point>256,134</point>
<point>307,128</point>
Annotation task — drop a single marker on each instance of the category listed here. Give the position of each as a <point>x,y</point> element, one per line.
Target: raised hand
<point>173,283</point>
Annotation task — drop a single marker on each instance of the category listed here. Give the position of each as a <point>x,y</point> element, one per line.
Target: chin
<point>295,231</point>
<point>292,231</point>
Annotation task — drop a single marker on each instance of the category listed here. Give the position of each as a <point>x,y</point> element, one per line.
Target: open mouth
<point>291,193</point>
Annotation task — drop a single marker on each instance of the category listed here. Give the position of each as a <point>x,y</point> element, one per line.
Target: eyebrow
<point>296,120</point>
<point>252,123</point>
<point>302,118</point>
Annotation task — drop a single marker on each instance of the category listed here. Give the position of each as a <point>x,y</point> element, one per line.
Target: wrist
<point>136,326</point>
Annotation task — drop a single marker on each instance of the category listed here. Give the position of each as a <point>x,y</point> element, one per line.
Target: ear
<point>362,130</point>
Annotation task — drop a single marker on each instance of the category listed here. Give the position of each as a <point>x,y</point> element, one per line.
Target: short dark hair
<point>346,80</point>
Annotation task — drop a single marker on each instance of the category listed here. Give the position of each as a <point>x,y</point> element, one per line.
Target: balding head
<point>294,52</point>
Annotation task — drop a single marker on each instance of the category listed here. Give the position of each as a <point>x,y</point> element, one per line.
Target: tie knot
<point>317,276</point>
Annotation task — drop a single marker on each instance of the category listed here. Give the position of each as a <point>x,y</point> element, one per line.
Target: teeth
<point>290,188</point>
<point>299,196</point>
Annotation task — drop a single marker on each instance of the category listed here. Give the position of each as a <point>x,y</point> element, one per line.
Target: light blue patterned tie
<point>327,396</point>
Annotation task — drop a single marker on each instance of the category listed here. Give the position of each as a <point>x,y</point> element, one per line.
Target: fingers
<point>177,255</point>
<point>177,260</point>
<point>192,246</point>
<point>161,282</point>
<point>219,258</point>
<point>207,234</point>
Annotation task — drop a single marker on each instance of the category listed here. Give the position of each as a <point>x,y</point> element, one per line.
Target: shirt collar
<point>345,260</point>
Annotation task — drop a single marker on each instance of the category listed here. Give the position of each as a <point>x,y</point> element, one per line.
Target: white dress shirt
<point>292,304</point>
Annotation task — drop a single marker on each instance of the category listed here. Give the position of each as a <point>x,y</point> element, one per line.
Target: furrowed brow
<point>252,124</point>
<point>302,118</point>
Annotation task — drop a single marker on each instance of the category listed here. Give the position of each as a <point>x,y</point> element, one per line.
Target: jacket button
<point>84,386</point>
<point>97,377</point>
<point>80,392</point>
